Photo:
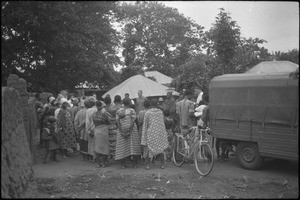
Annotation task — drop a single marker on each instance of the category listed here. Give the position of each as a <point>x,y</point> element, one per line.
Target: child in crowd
<point>170,125</point>
<point>51,139</point>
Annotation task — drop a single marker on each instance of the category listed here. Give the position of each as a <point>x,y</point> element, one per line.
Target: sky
<point>276,22</point>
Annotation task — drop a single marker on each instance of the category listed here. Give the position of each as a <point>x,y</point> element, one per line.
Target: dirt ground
<point>74,178</point>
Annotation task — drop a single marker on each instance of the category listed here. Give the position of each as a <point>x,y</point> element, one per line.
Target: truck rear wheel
<point>248,155</point>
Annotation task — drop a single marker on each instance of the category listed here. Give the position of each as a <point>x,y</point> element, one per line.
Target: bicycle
<point>196,144</point>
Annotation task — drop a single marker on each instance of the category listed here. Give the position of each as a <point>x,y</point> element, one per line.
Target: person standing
<point>39,113</point>
<point>50,137</point>
<point>154,135</point>
<point>89,125</point>
<point>128,138</point>
<point>127,97</point>
<point>66,129</point>
<point>161,103</point>
<point>100,131</point>
<point>79,123</point>
<point>198,94</point>
<point>49,103</point>
<point>140,102</point>
<point>140,119</point>
<point>170,126</point>
<point>112,128</point>
<point>170,104</point>
<point>185,111</point>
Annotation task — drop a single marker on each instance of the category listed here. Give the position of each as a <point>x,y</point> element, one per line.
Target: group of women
<point>106,129</point>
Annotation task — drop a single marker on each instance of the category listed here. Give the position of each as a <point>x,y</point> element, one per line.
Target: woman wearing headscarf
<point>154,135</point>
<point>79,123</point>
<point>128,138</point>
<point>66,129</point>
<point>101,145</point>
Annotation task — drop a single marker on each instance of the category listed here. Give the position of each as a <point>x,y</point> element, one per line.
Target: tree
<point>57,45</point>
<point>198,71</point>
<point>249,54</point>
<point>226,53</point>
<point>157,37</point>
<point>223,39</point>
<point>292,56</point>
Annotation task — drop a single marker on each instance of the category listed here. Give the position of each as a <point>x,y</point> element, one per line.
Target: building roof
<point>135,83</point>
<point>160,78</point>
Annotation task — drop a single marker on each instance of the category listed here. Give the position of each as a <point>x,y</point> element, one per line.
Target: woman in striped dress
<point>112,128</point>
<point>128,137</point>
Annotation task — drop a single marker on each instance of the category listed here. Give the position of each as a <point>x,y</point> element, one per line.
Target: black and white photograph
<point>150,99</point>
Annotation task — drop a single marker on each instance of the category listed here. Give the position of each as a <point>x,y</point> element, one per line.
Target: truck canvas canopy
<point>258,98</point>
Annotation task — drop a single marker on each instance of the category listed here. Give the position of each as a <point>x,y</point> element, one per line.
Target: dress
<point>66,129</point>
<point>100,120</point>
<point>79,123</point>
<point>89,125</point>
<point>112,127</point>
<point>130,145</point>
<point>154,135</point>
<point>169,124</point>
<point>47,135</point>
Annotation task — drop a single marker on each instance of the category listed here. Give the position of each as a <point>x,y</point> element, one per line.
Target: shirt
<point>184,108</point>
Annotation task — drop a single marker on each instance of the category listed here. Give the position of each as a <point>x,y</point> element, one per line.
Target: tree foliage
<point>292,56</point>
<point>157,37</point>
<point>57,45</point>
<point>223,40</point>
<point>227,52</point>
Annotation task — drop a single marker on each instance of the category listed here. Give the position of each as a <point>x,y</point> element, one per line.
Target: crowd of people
<point>140,131</point>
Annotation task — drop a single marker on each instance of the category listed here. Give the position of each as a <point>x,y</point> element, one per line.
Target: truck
<point>258,114</point>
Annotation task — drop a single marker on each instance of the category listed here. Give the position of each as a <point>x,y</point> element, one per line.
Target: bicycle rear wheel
<point>204,159</point>
<point>178,151</point>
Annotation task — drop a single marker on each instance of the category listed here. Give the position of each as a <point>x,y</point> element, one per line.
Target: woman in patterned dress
<point>101,145</point>
<point>128,137</point>
<point>154,135</point>
<point>112,128</point>
<point>66,129</point>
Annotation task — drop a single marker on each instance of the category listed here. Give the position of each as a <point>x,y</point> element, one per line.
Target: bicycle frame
<point>198,140</point>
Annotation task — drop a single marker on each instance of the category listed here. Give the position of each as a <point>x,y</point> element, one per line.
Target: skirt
<point>101,145</point>
<point>91,142</point>
<point>128,146</point>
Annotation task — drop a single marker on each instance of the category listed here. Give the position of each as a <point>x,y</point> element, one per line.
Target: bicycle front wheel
<point>178,151</point>
<point>204,159</point>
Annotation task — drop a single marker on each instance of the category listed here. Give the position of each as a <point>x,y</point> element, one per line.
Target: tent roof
<point>273,67</point>
<point>139,82</point>
<point>160,78</point>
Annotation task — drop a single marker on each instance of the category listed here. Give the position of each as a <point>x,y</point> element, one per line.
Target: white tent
<point>160,78</point>
<point>135,83</point>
